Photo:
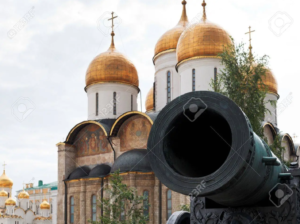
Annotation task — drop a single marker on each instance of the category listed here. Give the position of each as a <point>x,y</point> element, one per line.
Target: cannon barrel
<point>202,144</point>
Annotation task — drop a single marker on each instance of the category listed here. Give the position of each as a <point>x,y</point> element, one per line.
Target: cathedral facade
<point>114,136</point>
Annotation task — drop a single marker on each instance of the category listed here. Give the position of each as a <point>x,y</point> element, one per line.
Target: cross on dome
<point>112,27</point>
<point>250,46</point>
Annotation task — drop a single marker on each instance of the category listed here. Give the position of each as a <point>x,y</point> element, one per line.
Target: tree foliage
<point>121,204</point>
<point>241,81</point>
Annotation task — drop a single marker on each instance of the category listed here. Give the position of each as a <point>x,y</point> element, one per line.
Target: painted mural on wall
<point>91,140</point>
<point>134,133</point>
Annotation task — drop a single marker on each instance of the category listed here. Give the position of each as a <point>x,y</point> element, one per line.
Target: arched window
<point>51,210</point>
<point>72,205</point>
<point>168,87</point>
<point>115,103</point>
<point>37,209</point>
<point>194,80</point>
<point>97,104</point>
<point>94,208</point>
<point>169,203</point>
<point>146,203</point>
<point>131,102</point>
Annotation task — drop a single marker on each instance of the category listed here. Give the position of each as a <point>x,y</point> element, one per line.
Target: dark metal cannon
<point>202,144</point>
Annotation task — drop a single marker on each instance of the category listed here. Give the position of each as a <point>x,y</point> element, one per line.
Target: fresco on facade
<point>91,140</point>
<point>134,133</point>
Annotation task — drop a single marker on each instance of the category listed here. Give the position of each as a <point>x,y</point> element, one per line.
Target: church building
<point>114,136</point>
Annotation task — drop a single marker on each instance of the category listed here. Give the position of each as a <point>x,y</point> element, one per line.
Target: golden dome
<point>168,41</point>
<point>5,181</point>
<point>45,205</point>
<point>3,193</point>
<point>23,194</point>
<point>10,201</point>
<point>149,101</point>
<point>112,66</point>
<point>270,81</point>
<point>202,40</point>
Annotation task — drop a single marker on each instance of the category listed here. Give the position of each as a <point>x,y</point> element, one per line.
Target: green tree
<point>241,80</point>
<point>122,205</point>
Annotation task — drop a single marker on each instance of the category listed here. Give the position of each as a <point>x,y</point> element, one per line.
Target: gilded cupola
<point>3,193</point>
<point>112,67</point>
<point>5,181</point>
<point>44,205</point>
<point>150,101</point>
<point>10,201</point>
<point>168,41</point>
<point>23,195</point>
<point>202,40</point>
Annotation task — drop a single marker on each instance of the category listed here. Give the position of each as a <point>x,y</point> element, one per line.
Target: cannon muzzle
<point>202,144</point>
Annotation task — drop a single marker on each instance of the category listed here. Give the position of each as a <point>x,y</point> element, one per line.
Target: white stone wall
<point>163,64</point>
<point>105,100</point>
<point>205,70</point>
<point>272,115</point>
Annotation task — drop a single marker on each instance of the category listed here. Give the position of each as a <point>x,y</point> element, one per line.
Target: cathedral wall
<point>134,133</point>
<point>106,100</point>
<point>205,70</point>
<point>272,115</point>
<point>163,64</point>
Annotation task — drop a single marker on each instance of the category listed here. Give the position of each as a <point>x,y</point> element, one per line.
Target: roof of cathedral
<point>168,41</point>
<point>270,81</point>
<point>10,201</point>
<point>133,160</point>
<point>149,101</point>
<point>100,170</point>
<point>79,172</point>
<point>112,67</point>
<point>3,193</point>
<point>23,194</point>
<point>202,40</point>
<point>45,205</point>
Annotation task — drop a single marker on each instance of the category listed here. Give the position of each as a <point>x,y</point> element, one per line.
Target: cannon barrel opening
<point>203,144</point>
<point>197,148</point>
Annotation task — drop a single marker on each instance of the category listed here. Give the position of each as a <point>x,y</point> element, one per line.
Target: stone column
<point>83,219</point>
<point>66,164</point>
<point>156,202</point>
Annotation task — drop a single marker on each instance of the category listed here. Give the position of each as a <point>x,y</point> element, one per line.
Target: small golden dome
<point>149,101</point>
<point>168,41</point>
<point>23,194</point>
<point>44,205</point>
<point>270,81</point>
<point>112,66</point>
<point>10,201</point>
<point>3,193</point>
<point>5,181</point>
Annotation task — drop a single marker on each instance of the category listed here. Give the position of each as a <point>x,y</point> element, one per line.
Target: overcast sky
<point>46,47</point>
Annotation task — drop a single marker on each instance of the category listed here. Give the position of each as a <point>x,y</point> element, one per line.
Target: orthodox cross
<point>112,20</point>
<point>4,165</point>
<point>250,39</point>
